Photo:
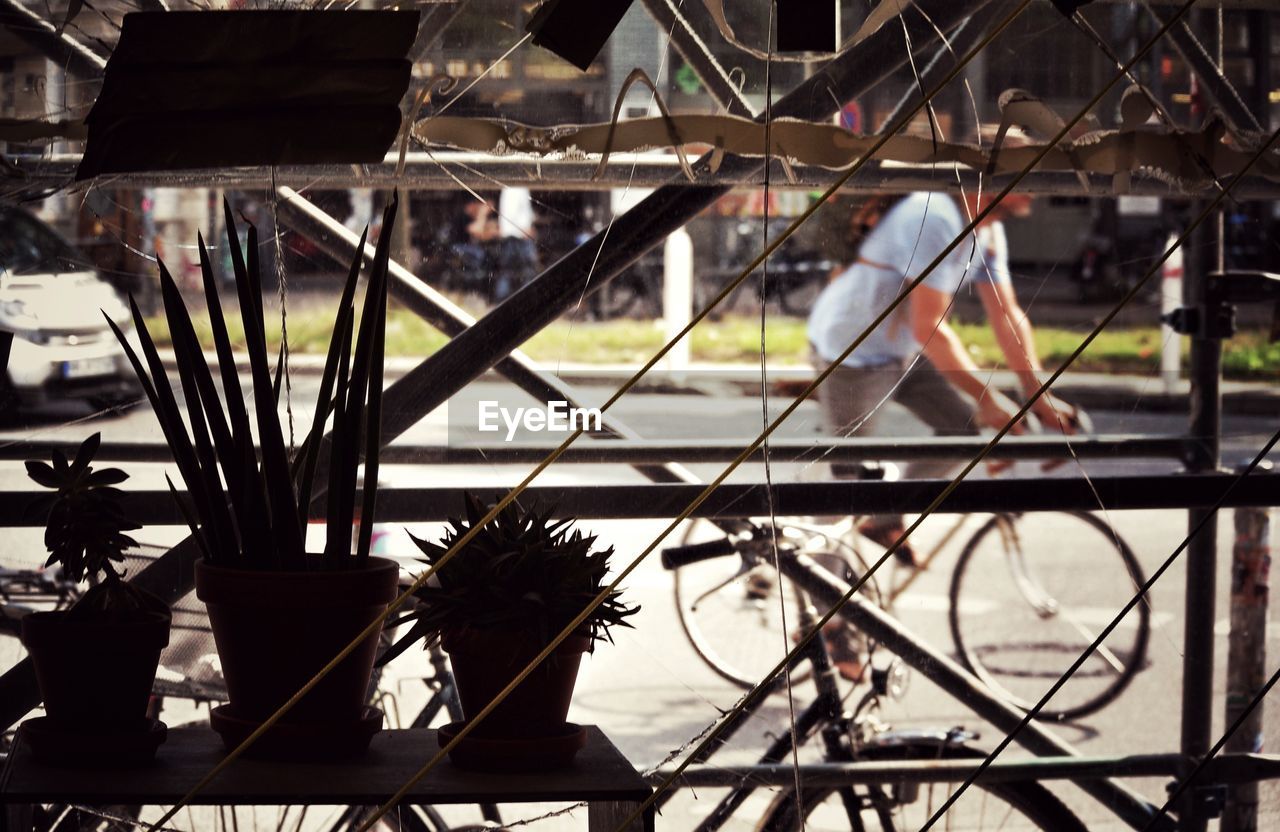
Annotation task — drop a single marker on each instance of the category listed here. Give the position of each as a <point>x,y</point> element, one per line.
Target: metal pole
<point>1247,653</point>
<point>1247,668</point>
<point>1206,426</point>
<point>677,299</point>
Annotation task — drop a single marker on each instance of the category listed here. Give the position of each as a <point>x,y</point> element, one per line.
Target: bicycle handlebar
<point>677,556</point>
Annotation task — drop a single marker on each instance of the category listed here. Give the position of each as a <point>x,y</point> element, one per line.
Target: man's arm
<point>942,346</point>
<point>1017,341</point>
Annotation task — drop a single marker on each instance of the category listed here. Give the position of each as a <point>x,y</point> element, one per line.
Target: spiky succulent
<point>85,530</point>
<point>523,571</point>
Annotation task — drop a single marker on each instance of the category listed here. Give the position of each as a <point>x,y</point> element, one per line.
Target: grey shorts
<point>853,399</point>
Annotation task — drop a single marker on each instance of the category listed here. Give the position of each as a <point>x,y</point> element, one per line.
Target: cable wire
<point>1208,210</point>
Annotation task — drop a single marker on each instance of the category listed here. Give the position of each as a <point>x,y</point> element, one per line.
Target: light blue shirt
<point>903,244</point>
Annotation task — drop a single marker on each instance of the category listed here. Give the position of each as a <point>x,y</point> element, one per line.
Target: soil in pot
<point>485,661</point>
<point>95,673</point>
<point>275,630</point>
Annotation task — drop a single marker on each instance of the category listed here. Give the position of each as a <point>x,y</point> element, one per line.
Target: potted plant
<point>495,605</point>
<point>280,611</point>
<point>96,661</point>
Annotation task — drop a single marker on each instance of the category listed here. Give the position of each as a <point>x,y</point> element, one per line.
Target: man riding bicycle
<point>914,356</point>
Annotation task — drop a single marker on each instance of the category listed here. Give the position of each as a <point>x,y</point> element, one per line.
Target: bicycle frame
<point>828,590</point>
<point>825,709</point>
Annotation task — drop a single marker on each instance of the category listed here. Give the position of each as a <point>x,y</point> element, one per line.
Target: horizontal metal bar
<point>1228,768</point>
<point>638,451</point>
<point>834,499</point>
<point>929,771</point>
<point>443,171</point>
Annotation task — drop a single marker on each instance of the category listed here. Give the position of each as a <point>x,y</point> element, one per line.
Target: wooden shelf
<point>600,775</point>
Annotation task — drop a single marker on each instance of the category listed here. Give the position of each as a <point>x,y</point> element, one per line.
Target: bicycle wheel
<point>64,818</point>
<point>903,807</point>
<point>734,619</point>
<point>1030,594</point>
<point>402,819</point>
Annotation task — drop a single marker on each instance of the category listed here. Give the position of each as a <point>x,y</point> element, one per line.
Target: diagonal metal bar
<point>606,254</point>
<point>441,313</point>
<point>1234,111</point>
<point>968,33</point>
<point>43,36</point>
<point>694,50</point>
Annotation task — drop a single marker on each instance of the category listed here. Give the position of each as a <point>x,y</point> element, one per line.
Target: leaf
<point>311,446</point>
<point>275,461</point>
<point>88,448</point>
<point>275,384</point>
<point>43,474</point>
<point>185,342</point>
<point>418,631</point>
<point>107,476</point>
<point>191,522</point>
<point>236,411</point>
<point>373,431</point>
<point>156,386</point>
<point>333,528</point>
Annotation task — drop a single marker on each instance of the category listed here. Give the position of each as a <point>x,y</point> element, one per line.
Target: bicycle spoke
<point>713,590</point>
<point>1089,636</point>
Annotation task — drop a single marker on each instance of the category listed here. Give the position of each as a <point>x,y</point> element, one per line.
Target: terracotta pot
<point>275,630</point>
<point>485,661</point>
<point>95,674</point>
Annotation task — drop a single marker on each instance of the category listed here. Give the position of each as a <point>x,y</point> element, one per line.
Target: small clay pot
<point>486,660</point>
<point>95,673</point>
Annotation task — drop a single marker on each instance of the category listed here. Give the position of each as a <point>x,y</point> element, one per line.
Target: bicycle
<point>189,671</point>
<point>857,736</point>
<point>1017,613</point>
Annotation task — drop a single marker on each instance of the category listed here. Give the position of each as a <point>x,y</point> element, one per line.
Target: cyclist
<point>914,357</point>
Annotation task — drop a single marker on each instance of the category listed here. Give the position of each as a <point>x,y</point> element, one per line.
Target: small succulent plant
<point>85,532</point>
<point>524,571</point>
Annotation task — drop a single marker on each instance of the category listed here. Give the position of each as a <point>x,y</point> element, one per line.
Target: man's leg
<point>851,400</point>
<point>927,394</point>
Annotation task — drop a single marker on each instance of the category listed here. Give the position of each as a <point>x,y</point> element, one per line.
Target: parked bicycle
<point>870,777</point>
<point>1018,607</point>
<point>858,735</point>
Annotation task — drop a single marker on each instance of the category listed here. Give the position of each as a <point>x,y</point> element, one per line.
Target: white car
<point>52,304</point>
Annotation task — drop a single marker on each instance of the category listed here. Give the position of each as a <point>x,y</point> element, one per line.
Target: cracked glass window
<point>921,387</point>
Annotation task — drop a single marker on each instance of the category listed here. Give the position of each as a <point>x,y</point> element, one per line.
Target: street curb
<point>1093,391</point>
